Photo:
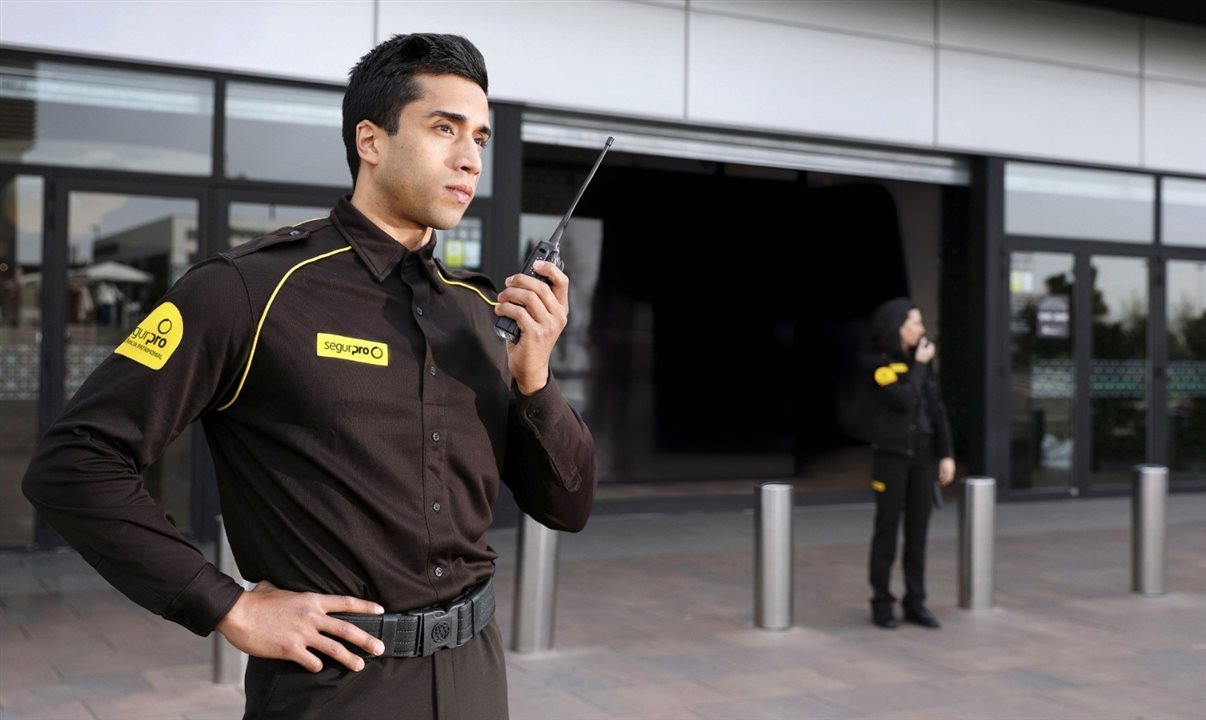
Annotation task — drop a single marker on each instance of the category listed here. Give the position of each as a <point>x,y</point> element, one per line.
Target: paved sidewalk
<point>654,621</point>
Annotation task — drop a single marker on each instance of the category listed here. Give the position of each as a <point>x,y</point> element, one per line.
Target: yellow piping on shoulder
<point>446,281</point>
<point>303,222</point>
<point>255,341</point>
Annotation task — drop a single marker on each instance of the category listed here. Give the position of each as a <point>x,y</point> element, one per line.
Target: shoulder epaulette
<point>289,233</point>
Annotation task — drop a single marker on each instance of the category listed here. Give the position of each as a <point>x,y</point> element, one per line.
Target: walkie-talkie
<point>549,251</point>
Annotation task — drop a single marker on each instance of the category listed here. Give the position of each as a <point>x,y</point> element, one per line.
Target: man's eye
<point>444,128</point>
<point>481,142</point>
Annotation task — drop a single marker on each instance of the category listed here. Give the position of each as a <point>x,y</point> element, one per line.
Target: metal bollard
<point>230,663</point>
<point>977,508</point>
<point>1149,496</point>
<point>773,557</point>
<point>535,587</point>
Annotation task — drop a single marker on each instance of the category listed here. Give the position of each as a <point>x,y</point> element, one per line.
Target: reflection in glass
<point>286,134</point>
<point>461,246</point>
<point>1051,201</point>
<point>1118,381</point>
<point>249,221</point>
<point>1183,212</point>
<point>20,345</point>
<point>1041,397</point>
<point>66,114</point>
<point>1186,371</point>
<point>124,252</point>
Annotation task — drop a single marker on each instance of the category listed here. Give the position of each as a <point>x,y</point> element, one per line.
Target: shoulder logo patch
<point>156,337</point>
<point>885,376</point>
<point>354,349</point>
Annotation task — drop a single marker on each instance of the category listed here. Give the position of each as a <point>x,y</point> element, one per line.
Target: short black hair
<point>382,82</point>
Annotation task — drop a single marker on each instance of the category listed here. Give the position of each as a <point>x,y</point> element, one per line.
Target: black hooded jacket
<point>908,402</point>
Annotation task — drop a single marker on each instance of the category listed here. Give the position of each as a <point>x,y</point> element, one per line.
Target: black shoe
<point>883,616</point>
<point>922,617</point>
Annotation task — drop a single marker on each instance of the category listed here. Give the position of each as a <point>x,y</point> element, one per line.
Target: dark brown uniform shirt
<point>361,417</point>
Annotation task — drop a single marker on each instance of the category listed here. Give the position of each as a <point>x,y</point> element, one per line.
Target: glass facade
<point>285,134</point>
<point>1061,202</point>
<point>1183,212</point>
<point>75,115</point>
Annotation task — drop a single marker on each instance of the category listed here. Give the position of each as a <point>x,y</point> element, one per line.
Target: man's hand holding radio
<point>542,311</point>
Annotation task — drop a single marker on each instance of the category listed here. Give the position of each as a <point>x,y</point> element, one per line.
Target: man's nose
<point>470,158</point>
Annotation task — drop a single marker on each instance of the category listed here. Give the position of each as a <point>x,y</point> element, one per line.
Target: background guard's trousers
<point>906,489</point>
<point>465,683</point>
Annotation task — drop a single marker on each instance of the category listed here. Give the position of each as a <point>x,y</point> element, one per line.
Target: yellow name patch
<point>156,337</point>
<point>877,486</point>
<point>354,349</point>
<point>899,367</point>
<point>885,376</point>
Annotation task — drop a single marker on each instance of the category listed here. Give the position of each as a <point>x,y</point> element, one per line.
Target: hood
<point>885,326</point>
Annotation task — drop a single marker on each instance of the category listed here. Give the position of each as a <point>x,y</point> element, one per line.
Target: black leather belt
<point>420,633</point>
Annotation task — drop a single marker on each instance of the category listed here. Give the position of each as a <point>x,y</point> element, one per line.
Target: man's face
<point>428,171</point>
<point>912,330</point>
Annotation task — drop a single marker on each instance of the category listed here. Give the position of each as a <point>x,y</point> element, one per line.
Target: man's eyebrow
<point>457,117</point>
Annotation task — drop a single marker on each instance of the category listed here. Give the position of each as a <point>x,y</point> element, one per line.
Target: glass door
<point>1118,381</point>
<point>1186,404</point>
<point>123,251</point>
<point>1043,370</point>
<point>21,197</point>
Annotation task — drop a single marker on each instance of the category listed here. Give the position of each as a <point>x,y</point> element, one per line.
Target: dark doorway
<point>728,315</point>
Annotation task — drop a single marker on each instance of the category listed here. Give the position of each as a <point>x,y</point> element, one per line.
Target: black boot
<point>882,615</point>
<point>918,614</point>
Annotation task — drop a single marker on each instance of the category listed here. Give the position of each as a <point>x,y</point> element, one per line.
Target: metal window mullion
<point>1082,349</point>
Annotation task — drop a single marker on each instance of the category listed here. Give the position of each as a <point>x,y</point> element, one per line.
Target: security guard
<point>910,430</point>
<point>361,415</point>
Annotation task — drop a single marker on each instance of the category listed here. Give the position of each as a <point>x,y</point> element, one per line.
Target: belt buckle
<point>437,629</point>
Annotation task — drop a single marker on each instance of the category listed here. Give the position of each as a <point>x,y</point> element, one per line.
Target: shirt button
<point>533,412</point>
<point>433,370</point>
<point>439,572</point>
<point>435,437</point>
<point>436,507</point>
<point>295,233</point>
<point>419,311</point>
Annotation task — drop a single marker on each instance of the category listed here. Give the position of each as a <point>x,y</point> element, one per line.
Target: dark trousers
<point>903,486</point>
<point>465,683</point>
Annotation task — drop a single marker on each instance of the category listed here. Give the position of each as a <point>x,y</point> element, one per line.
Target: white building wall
<point>1031,78</point>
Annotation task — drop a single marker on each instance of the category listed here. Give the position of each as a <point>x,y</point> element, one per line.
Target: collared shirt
<point>361,417</point>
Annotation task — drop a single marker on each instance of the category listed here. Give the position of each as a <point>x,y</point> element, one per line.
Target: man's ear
<point>368,137</point>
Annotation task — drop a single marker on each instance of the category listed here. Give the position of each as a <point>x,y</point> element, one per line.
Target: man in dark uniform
<point>911,444</point>
<point>361,414</point>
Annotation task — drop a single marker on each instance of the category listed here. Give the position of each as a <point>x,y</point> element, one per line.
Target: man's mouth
<point>463,193</point>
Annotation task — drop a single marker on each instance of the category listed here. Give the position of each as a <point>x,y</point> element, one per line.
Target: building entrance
<point>719,317</point>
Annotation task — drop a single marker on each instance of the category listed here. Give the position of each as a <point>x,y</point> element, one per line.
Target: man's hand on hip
<point>272,623</point>
<point>542,313</point>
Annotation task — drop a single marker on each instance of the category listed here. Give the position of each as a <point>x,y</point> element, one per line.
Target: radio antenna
<point>556,238</point>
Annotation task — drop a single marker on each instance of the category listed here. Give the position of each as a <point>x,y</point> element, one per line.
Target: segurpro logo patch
<point>354,349</point>
<point>156,337</point>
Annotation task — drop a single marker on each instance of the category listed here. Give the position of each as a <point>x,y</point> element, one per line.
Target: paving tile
<point>62,711</point>
<point>786,708</point>
<point>790,681</point>
<point>637,699</point>
<point>153,704</point>
<point>561,706</point>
